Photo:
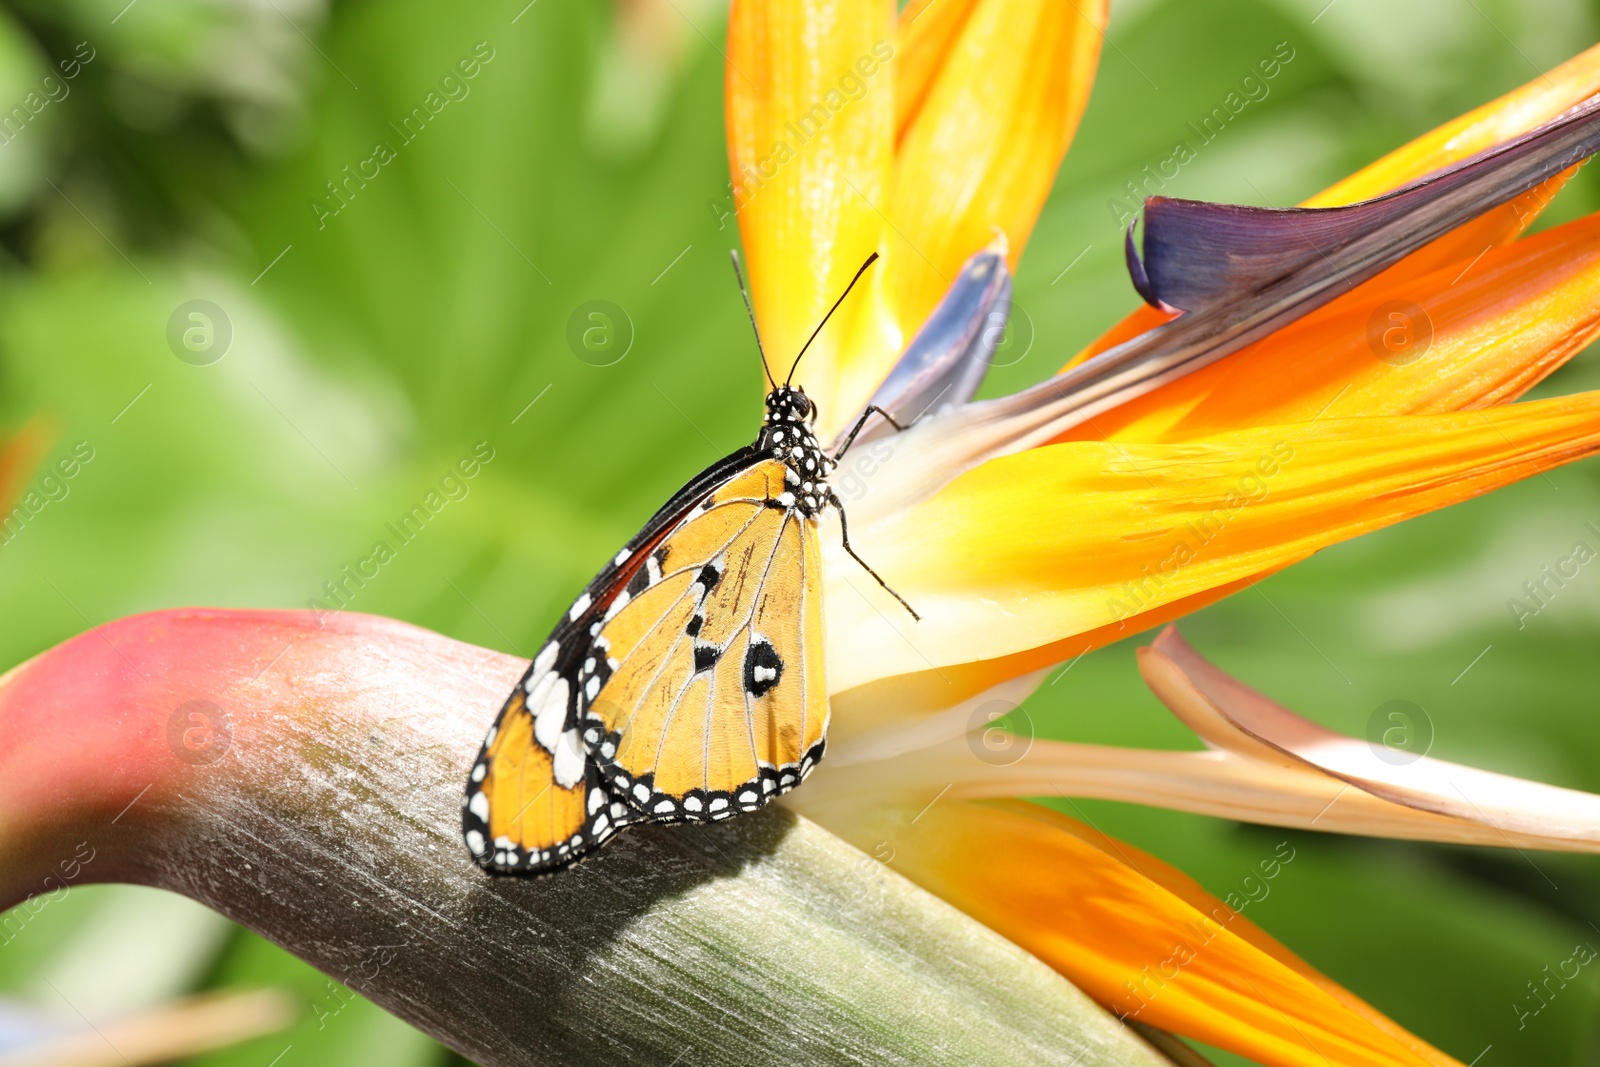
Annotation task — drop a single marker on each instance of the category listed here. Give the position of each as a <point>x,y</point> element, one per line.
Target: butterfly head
<point>787,436</point>
<point>789,404</point>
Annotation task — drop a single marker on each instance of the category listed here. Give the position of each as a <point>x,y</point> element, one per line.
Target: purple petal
<point>1136,270</point>
<point>1199,255</point>
<point>1265,288</point>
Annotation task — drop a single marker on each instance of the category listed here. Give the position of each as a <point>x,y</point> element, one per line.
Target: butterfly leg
<point>862,421</point>
<point>844,534</point>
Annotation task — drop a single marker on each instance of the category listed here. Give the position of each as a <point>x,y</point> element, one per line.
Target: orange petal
<point>1494,123</point>
<point>1137,935</point>
<point>1469,336</point>
<point>1038,546</point>
<point>810,126</point>
<point>995,91</point>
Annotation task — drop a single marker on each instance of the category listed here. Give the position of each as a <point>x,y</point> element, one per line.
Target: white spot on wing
<point>569,761</point>
<point>479,806</point>
<point>551,714</point>
<point>622,557</point>
<point>579,606</point>
<point>476,843</point>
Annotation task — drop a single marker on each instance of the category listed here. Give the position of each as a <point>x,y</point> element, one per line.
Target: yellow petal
<point>929,30</point>
<point>1498,121</point>
<point>810,153</point>
<point>995,91</point>
<point>1039,546</point>
<point>901,699</point>
<point>1468,336</point>
<point>1137,935</point>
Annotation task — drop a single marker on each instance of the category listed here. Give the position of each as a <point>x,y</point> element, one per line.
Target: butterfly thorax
<point>787,435</point>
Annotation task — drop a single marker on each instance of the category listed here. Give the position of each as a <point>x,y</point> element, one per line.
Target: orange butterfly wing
<point>535,799</point>
<point>715,700</point>
<point>684,684</point>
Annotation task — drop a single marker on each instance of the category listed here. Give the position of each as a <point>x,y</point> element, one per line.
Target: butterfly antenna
<point>870,260</point>
<point>750,308</point>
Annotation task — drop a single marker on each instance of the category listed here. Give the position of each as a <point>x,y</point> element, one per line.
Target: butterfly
<point>686,683</point>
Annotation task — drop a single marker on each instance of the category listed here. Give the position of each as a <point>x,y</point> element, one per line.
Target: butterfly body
<point>685,684</point>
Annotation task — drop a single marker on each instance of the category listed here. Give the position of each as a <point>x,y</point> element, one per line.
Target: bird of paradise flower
<point>1028,530</point>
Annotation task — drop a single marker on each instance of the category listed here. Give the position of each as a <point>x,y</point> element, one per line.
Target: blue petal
<point>945,363</point>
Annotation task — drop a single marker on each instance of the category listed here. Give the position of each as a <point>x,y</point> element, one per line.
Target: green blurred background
<point>372,347</point>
